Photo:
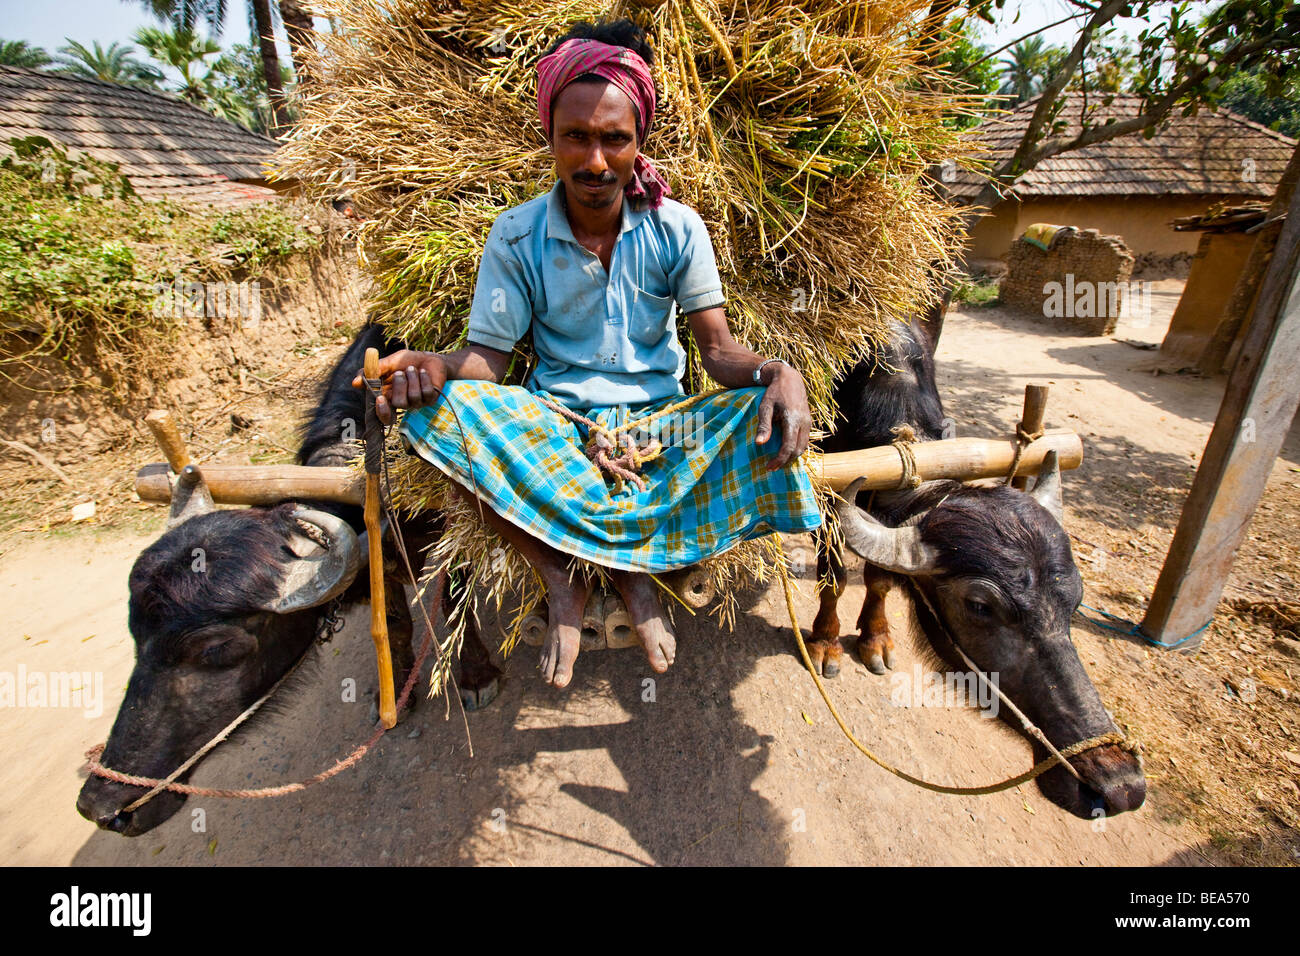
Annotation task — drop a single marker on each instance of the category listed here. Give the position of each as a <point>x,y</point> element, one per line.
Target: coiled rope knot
<point>602,441</point>
<point>620,467</point>
<point>904,438</point>
<point>1023,440</point>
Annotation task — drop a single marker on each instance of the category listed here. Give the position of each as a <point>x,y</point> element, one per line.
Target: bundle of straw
<point>805,135</point>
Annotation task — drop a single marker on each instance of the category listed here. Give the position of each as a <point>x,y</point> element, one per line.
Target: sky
<point>50,23</point>
<point>47,23</point>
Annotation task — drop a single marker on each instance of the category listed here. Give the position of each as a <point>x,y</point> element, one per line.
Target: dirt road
<point>728,758</point>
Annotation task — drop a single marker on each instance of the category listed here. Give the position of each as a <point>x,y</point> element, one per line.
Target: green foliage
<point>204,73</point>
<point>116,64</point>
<point>236,78</point>
<point>83,259</point>
<point>1028,67</point>
<point>980,293</point>
<point>968,64</point>
<point>1263,98</point>
<point>22,53</point>
<point>187,14</point>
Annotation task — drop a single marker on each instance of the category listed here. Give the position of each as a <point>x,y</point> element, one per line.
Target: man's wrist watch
<point>758,372</point>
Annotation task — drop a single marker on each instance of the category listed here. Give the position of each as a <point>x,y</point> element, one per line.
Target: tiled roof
<point>164,145</point>
<point>1216,152</point>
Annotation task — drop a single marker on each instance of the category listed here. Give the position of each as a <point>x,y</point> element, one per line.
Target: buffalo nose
<point>108,817</point>
<point>1125,795</point>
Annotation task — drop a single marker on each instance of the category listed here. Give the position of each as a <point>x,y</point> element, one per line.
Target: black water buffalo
<point>226,602</point>
<point>993,563</point>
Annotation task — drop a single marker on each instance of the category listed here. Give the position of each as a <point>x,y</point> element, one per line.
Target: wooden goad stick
<point>374,439</point>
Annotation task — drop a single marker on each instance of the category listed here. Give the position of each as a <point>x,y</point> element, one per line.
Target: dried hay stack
<point>802,133</point>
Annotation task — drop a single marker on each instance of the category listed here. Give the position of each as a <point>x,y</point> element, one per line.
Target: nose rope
<point>96,768</point>
<point>1057,756</point>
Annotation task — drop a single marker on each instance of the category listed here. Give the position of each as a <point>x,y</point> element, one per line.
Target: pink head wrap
<point>629,73</point>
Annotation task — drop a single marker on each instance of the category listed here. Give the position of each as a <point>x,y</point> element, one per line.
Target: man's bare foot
<point>565,603</point>
<point>641,598</point>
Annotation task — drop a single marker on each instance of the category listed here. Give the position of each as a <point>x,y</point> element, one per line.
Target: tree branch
<point>1005,47</point>
<point>1102,134</point>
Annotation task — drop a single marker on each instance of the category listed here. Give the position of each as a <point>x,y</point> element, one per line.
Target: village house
<point>1130,187</point>
<point>166,146</point>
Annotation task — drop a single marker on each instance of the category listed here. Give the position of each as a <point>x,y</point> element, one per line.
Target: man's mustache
<point>606,180</point>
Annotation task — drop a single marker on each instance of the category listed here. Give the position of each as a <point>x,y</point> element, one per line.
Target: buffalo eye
<point>980,609</point>
<point>219,652</point>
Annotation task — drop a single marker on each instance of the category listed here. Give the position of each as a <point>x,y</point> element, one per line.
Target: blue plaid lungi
<point>708,489</point>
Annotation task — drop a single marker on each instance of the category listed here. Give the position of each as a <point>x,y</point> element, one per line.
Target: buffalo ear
<point>1047,489</point>
<point>327,559</point>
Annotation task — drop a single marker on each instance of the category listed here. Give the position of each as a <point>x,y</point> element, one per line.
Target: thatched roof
<point>167,147</point>
<point>1190,156</point>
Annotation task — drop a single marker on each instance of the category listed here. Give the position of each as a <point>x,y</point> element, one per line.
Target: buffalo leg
<point>824,649</point>
<point>875,645</point>
<point>480,679</point>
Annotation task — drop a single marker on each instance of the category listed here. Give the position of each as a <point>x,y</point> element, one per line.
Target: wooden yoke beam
<point>962,459</point>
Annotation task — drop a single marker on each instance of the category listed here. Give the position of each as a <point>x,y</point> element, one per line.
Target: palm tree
<point>114,65</point>
<point>298,28</point>
<point>1024,69</point>
<point>184,52</point>
<point>263,14</point>
<point>22,53</point>
<point>206,85</point>
<point>186,14</point>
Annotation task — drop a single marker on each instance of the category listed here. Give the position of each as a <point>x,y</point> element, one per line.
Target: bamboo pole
<point>375,540</point>
<point>259,484</point>
<point>962,459</point>
<point>168,436</point>
<point>1031,420</point>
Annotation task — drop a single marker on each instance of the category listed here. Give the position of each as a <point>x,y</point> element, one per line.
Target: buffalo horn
<point>1047,489</point>
<point>900,550</point>
<point>190,497</point>
<point>320,573</point>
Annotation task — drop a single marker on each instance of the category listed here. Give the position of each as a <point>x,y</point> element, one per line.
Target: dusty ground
<point>729,758</point>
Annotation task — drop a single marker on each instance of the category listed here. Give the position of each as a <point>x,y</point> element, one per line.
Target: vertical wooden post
<point>374,437</point>
<point>1259,402</point>
<point>1031,421</point>
<point>168,437</point>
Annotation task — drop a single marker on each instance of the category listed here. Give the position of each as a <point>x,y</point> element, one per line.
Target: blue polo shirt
<point>600,339</point>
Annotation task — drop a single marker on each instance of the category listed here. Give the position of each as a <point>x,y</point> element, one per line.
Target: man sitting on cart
<point>596,270</point>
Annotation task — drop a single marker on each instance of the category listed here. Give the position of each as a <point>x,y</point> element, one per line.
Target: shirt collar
<point>557,223</point>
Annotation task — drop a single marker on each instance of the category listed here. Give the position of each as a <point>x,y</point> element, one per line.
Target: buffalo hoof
<point>876,655</point>
<point>825,655</point>
<point>476,698</point>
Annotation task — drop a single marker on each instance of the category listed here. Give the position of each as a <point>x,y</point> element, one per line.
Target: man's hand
<point>786,397</point>
<point>411,380</point>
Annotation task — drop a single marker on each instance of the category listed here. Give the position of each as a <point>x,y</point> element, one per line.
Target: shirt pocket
<point>652,317</point>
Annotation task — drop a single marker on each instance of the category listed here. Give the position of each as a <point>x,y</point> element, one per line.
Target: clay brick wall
<point>1092,273</point>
